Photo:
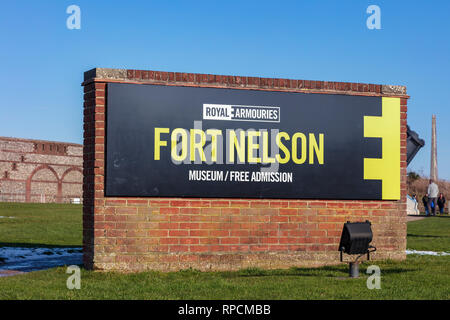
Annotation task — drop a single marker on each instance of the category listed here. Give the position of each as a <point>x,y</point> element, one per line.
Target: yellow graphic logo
<point>386,169</point>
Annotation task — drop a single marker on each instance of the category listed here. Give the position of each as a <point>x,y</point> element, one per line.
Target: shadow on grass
<point>36,245</point>
<point>425,236</point>
<point>444,216</point>
<point>423,215</point>
<point>326,271</point>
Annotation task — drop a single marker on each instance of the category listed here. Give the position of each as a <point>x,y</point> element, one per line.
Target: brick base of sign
<point>168,234</point>
<point>163,234</point>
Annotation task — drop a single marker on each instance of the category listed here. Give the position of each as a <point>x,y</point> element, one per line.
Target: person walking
<point>433,192</point>
<point>425,204</point>
<point>416,204</point>
<point>441,203</point>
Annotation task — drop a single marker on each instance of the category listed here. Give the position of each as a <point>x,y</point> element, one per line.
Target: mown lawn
<point>419,277</point>
<point>36,224</point>
<point>431,233</point>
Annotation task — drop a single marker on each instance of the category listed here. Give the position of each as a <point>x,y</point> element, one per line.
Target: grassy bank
<point>419,277</point>
<point>30,224</point>
<point>431,233</point>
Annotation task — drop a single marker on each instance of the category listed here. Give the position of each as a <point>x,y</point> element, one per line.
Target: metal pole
<point>354,269</point>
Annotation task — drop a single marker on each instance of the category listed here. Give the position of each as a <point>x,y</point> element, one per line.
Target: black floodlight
<point>413,144</point>
<point>355,239</point>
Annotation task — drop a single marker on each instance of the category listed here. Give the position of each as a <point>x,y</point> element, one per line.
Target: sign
<point>173,141</point>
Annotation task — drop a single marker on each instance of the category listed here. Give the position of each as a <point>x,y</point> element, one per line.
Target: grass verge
<point>419,277</point>
<point>431,233</point>
<point>40,225</point>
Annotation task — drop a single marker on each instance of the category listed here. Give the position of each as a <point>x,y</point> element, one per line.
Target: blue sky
<point>42,62</point>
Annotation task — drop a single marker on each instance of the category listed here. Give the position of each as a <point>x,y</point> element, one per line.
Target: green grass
<point>419,277</point>
<point>431,233</point>
<point>41,225</point>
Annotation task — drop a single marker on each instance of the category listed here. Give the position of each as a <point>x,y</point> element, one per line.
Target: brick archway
<point>69,170</point>
<point>30,178</point>
<point>71,185</point>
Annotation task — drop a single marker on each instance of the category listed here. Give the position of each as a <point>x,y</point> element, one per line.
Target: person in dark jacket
<point>425,204</point>
<point>441,203</point>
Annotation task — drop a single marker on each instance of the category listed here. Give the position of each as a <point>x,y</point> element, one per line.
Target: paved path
<point>16,260</point>
<point>8,273</point>
<point>414,218</point>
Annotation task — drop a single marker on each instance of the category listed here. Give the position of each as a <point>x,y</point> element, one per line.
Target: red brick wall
<point>40,171</point>
<point>134,234</point>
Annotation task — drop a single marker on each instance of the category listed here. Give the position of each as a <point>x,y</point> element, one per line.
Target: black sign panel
<point>172,141</point>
